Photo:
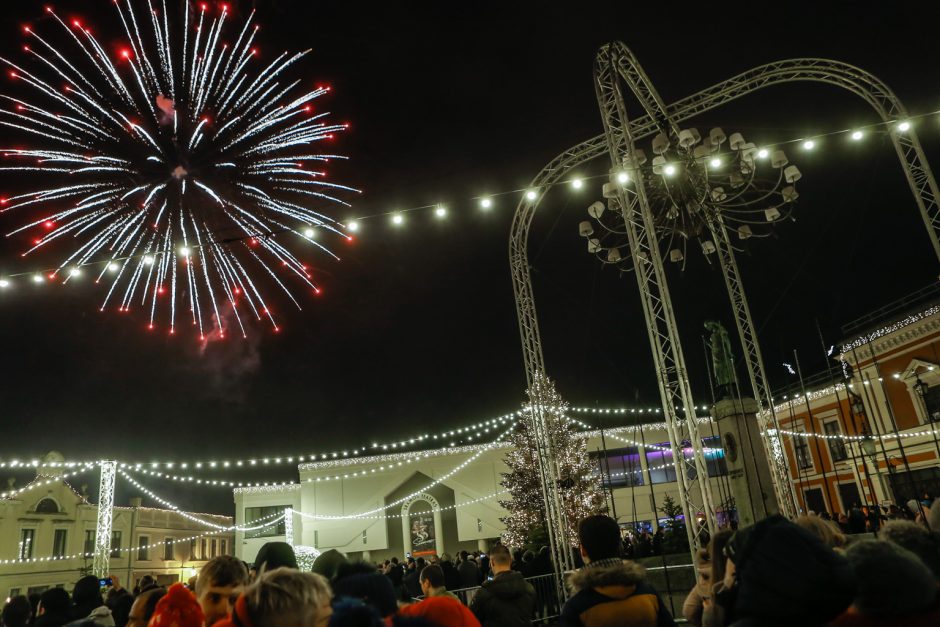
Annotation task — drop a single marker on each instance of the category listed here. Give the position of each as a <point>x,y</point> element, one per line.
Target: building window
<point>804,459</point>
<point>836,443</point>
<point>143,548</point>
<point>59,538</point>
<point>253,514</point>
<point>223,547</point>
<point>932,402</point>
<point>619,467</point>
<point>479,524</point>
<point>115,544</point>
<point>47,506</point>
<point>14,592</point>
<point>365,537</point>
<point>27,539</point>
<point>316,538</point>
<point>659,462</point>
<point>89,547</point>
<point>168,549</point>
<point>715,461</point>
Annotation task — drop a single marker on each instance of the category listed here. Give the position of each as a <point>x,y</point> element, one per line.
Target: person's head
<point>87,593</point>
<point>146,583</point>
<point>53,601</point>
<point>328,563</point>
<point>916,539</point>
<point>274,555</point>
<point>431,577</point>
<point>500,559</point>
<point>219,583</point>
<point>527,557</point>
<point>463,556</point>
<point>902,584</point>
<point>823,529</point>
<point>361,580</point>
<point>17,612</point>
<point>144,606</point>
<point>599,536</point>
<point>395,561</point>
<point>178,608</point>
<point>420,564</point>
<point>284,597</point>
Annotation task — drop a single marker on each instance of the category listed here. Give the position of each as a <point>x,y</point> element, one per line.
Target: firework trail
<point>169,165</point>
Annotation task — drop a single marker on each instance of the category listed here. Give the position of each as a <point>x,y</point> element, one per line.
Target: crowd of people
<point>777,572</point>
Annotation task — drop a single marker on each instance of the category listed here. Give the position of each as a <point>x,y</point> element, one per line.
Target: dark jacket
<point>508,600</point>
<point>411,584</point>
<point>451,576</point>
<point>469,574</point>
<point>613,593</point>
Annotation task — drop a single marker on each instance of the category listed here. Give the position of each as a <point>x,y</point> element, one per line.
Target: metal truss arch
<point>835,73</point>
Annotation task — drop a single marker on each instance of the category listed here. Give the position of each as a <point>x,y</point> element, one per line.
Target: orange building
<point>873,434</point>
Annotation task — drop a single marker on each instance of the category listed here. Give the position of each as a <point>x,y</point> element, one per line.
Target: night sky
<point>416,330</point>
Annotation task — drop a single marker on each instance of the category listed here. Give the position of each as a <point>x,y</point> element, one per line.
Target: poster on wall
<point>422,534</point>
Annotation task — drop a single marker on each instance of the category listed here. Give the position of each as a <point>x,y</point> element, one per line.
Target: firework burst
<point>171,167</point>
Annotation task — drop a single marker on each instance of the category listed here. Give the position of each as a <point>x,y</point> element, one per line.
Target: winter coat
<point>926,618</point>
<point>508,600</point>
<point>411,584</point>
<point>451,576</point>
<point>441,611</point>
<point>469,574</point>
<point>613,593</point>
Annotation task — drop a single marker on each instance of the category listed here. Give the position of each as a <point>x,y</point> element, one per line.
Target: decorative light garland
<point>858,438</point>
<point>383,517</point>
<point>61,558</point>
<point>396,217</point>
<point>37,483</point>
<point>890,328</point>
<point>437,481</point>
<point>172,506</point>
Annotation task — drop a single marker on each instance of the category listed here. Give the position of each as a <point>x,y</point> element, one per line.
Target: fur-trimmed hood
<point>626,574</point>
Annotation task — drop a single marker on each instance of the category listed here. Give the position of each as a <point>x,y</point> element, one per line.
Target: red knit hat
<point>177,608</point>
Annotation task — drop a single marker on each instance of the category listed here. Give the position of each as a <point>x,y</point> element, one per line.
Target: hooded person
<point>609,591</point>
<point>88,607</point>
<point>507,600</point>
<point>784,575</point>
<point>895,588</point>
<point>916,539</point>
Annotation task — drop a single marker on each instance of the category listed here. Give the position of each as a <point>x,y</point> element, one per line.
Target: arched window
<point>47,506</point>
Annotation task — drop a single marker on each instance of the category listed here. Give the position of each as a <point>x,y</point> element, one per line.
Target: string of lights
<point>859,438</point>
<point>488,497</point>
<point>38,483</point>
<point>437,481</point>
<point>60,558</point>
<point>486,202</point>
<point>172,506</point>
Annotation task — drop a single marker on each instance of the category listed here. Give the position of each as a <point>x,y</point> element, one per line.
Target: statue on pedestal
<point>722,359</point>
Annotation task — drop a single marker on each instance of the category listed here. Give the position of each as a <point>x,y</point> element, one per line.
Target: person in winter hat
<point>362,581</point>
<point>177,608</point>
<point>508,600</point>
<point>351,612</point>
<point>273,555</point>
<point>609,591</point>
<point>441,611</point>
<point>895,588</point>
<point>781,574</point>
<point>916,539</point>
<point>327,563</point>
<point>53,610</point>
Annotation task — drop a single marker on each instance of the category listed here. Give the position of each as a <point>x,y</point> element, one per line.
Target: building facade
<point>872,437</point>
<point>447,499</point>
<point>47,539</point>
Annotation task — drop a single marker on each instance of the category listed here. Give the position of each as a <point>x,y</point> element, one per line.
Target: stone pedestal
<point>748,467</point>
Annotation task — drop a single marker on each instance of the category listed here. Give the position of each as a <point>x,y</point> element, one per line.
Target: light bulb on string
<point>763,153</point>
<point>440,211</point>
<point>352,226</point>
<point>577,183</point>
<point>809,144</point>
<point>904,126</point>
<point>309,232</point>
<point>623,178</point>
<point>857,135</point>
<point>531,194</point>
<point>397,219</point>
<point>486,203</point>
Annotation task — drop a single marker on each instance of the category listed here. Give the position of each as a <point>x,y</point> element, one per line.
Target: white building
<point>444,499</point>
<point>47,536</point>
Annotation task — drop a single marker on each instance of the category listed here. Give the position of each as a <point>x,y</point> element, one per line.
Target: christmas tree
<point>579,487</point>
